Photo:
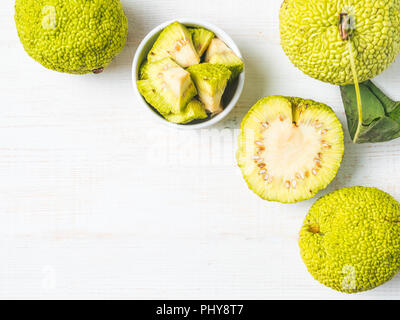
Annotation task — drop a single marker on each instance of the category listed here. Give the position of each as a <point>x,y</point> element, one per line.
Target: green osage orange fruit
<point>350,239</point>
<point>75,37</point>
<point>321,37</point>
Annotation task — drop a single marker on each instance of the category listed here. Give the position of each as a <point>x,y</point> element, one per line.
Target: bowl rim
<point>220,34</point>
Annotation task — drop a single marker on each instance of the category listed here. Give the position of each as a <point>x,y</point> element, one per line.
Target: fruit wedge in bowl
<point>189,76</point>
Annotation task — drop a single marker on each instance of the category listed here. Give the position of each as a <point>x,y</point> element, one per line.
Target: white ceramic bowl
<point>232,95</point>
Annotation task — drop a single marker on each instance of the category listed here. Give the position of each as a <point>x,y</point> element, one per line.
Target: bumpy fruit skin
<point>194,111</point>
<point>350,240</point>
<point>201,39</point>
<point>311,39</point>
<point>175,42</point>
<point>72,36</point>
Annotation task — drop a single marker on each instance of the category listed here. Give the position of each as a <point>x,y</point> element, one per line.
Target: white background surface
<point>99,201</point>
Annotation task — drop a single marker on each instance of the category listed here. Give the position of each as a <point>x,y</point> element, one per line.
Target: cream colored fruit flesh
<point>185,54</point>
<point>211,103</point>
<point>290,151</point>
<point>177,80</point>
<point>217,47</point>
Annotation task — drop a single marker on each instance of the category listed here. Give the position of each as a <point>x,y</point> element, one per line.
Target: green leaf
<point>380,114</point>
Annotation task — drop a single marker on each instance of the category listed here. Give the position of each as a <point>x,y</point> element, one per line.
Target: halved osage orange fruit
<point>289,148</point>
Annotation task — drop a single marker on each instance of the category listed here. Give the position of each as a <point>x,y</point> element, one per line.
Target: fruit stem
<point>345,29</point>
<point>99,70</point>
<point>358,94</point>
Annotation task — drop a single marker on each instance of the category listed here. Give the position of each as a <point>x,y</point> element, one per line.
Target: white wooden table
<point>99,201</point>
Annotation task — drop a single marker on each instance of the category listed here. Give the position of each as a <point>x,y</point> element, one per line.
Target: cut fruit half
<point>175,42</point>
<point>289,148</point>
<point>211,81</point>
<point>170,87</point>
<point>194,111</point>
<point>219,53</point>
<point>201,39</point>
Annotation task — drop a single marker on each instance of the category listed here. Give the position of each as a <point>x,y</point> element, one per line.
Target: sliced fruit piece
<point>194,111</point>
<point>201,39</point>
<point>289,148</point>
<point>153,70</point>
<point>219,53</point>
<point>175,42</point>
<point>170,91</point>
<point>149,91</point>
<point>211,81</point>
